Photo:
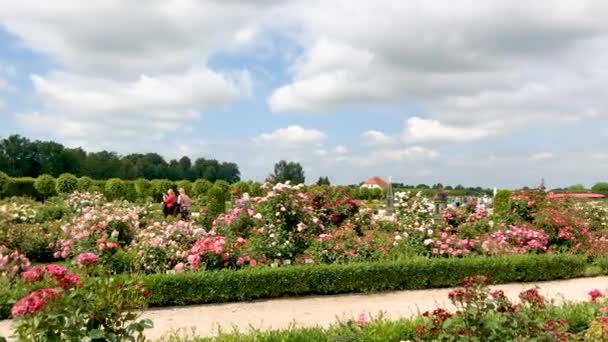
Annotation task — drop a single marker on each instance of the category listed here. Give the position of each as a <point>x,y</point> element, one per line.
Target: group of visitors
<point>174,205</point>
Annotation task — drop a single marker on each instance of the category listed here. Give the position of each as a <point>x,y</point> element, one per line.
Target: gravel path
<point>323,310</point>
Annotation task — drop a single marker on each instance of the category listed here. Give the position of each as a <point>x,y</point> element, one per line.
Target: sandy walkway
<point>323,310</point>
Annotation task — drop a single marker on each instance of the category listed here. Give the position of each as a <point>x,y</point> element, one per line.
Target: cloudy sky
<point>490,93</point>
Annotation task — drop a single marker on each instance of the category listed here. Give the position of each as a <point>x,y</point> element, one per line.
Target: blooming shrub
<point>18,213</point>
<point>515,240</point>
<point>449,244</point>
<point>79,307</point>
<point>162,245</point>
<point>413,211</point>
<point>287,223</point>
<point>484,315</point>
<point>345,245</point>
<point>78,201</point>
<point>97,229</point>
<point>216,252</point>
<point>12,263</point>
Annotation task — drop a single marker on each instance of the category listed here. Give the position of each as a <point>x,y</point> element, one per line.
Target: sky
<point>494,93</point>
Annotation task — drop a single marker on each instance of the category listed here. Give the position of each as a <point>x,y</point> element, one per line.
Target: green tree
<point>576,188</point>
<point>323,181</point>
<point>600,188</point>
<point>288,171</point>
<point>200,187</point>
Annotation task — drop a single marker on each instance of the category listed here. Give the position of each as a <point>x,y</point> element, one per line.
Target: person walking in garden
<point>169,201</point>
<point>184,202</point>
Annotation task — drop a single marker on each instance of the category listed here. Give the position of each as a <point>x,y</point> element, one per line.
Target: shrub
<point>45,185</point>
<point>85,183</point>
<point>21,187</point>
<point>600,188</point>
<point>130,193</point>
<point>115,188</point>
<point>186,185</point>
<point>143,187</point>
<point>216,201</point>
<point>80,308</point>
<point>3,180</point>
<point>67,183</point>
<point>160,186</point>
<point>200,187</point>
<point>501,203</point>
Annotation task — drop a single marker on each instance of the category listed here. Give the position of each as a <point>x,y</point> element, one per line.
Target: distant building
<point>375,183</point>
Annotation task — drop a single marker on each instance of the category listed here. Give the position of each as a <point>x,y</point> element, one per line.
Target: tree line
<point>21,157</point>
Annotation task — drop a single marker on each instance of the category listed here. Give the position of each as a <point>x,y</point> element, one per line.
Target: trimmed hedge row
<point>417,273</point>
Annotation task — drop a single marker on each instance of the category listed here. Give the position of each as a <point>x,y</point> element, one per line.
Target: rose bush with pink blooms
<point>162,245</point>
<point>75,307</point>
<point>12,263</point>
<point>515,240</point>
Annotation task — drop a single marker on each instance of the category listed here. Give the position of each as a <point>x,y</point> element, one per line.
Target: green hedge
<point>18,187</point>
<point>417,273</point>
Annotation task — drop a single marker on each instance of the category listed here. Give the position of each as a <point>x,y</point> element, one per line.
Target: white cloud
<point>600,156</point>
<point>374,137</point>
<point>468,65</point>
<point>422,130</point>
<point>340,149</point>
<point>144,76</point>
<point>542,156</point>
<point>104,111</point>
<point>291,136</point>
<point>158,37</point>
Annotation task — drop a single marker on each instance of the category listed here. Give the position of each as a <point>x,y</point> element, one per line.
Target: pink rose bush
<point>162,245</point>
<point>12,263</point>
<point>96,227</point>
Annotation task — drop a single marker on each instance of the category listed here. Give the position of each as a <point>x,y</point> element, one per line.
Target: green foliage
<point>67,183</point>
<point>216,201</point>
<point>186,185</point>
<point>143,187</point>
<point>415,273</point>
<point>20,157</point>
<point>45,185</point>
<point>600,188</point>
<point>240,187</point>
<point>115,188</point>
<point>85,183</point>
<point>21,187</point>
<point>101,309</point>
<point>3,180</point>
<point>160,187</point>
<point>288,171</point>
<point>576,188</point>
<point>200,187</point>
<point>501,203</point>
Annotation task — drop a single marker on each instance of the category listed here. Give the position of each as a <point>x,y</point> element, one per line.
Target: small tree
<point>45,185</point>
<point>67,183</point>
<point>323,181</point>
<point>288,171</point>
<point>600,188</point>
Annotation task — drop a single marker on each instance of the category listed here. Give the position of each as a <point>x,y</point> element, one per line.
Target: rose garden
<point>87,257</point>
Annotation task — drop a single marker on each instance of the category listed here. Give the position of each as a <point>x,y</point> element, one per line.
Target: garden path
<point>323,310</point>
